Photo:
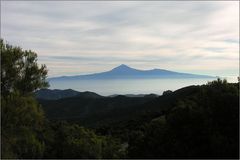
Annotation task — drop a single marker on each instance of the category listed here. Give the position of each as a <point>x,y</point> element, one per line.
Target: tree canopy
<point>20,71</point>
<point>21,116</point>
<point>203,125</point>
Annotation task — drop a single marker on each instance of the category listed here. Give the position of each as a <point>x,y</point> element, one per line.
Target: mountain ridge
<point>56,94</point>
<point>105,110</point>
<point>124,71</point>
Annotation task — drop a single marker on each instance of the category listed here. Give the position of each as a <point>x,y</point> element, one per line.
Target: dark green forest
<point>192,122</point>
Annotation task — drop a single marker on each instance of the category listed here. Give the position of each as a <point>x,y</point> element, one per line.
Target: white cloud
<point>200,37</point>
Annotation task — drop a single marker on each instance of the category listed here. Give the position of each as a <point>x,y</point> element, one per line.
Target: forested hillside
<point>192,122</point>
<point>25,132</point>
<point>93,111</point>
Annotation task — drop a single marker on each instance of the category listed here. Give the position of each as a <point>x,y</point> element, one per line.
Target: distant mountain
<point>125,72</point>
<point>106,110</point>
<point>55,94</point>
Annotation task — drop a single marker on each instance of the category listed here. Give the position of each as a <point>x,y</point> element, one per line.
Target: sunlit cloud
<point>80,37</point>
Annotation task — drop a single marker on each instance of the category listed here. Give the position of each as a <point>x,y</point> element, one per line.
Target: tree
<point>65,140</point>
<point>21,116</point>
<point>21,124</point>
<point>20,71</point>
<point>167,92</point>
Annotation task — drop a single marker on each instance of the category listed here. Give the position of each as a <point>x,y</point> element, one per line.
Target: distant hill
<point>55,94</point>
<point>124,71</point>
<point>90,111</point>
<point>59,94</point>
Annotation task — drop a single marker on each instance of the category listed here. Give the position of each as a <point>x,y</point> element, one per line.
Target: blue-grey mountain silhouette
<point>125,72</point>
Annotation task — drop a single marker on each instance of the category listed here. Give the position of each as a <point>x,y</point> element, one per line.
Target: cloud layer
<point>81,37</point>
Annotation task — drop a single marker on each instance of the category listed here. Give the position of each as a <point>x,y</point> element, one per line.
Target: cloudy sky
<point>80,37</point>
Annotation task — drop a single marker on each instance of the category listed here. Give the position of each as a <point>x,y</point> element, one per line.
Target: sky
<point>80,37</point>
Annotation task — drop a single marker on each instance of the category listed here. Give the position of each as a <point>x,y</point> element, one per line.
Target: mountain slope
<point>100,111</point>
<point>124,71</point>
<point>92,111</point>
<point>55,94</point>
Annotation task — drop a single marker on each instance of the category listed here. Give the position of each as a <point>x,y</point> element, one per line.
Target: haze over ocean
<point>127,86</point>
<point>127,80</point>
